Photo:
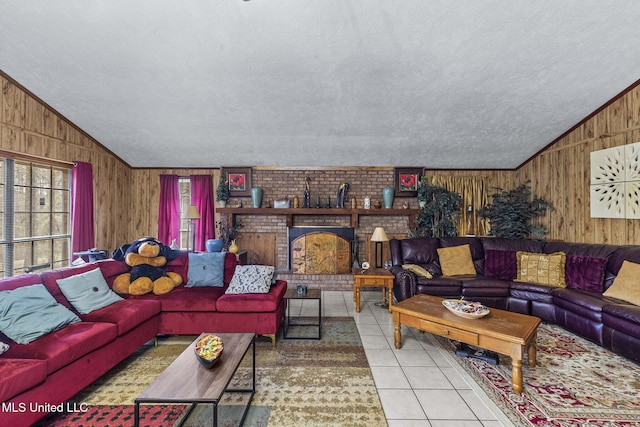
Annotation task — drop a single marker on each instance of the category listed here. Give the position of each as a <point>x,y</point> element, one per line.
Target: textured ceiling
<point>207,83</point>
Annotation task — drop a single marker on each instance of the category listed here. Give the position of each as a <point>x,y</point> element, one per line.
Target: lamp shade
<point>379,235</point>
<point>192,212</point>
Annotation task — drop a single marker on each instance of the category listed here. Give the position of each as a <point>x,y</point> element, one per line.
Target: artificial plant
<point>222,192</point>
<point>511,212</point>
<point>439,216</point>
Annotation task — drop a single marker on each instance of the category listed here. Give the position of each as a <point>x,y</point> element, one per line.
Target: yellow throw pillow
<point>625,285</point>
<point>456,261</point>
<point>542,269</point>
<point>419,271</point>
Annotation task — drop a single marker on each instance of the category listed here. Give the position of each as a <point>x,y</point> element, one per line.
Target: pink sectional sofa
<point>53,368</point>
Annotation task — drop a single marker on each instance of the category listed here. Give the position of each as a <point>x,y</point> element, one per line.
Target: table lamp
<point>379,236</point>
<point>192,214</point>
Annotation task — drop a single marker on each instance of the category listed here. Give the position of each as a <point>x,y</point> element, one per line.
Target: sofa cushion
<point>501,244</point>
<point>475,246</point>
<point>625,286</point>
<point>66,345</point>
<point>88,291</point>
<point>418,270</point>
<point>542,269</point>
<point>251,279</point>
<point>456,261</point>
<point>585,272</point>
<point>186,299</point>
<point>18,375</point>
<point>253,302</point>
<point>532,292</point>
<point>500,264</point>
<point>29,312</point>
<point>206,269</point>
<point>126,314</point>
<point>421,251</point>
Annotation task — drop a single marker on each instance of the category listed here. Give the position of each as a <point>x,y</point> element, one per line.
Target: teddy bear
<point>146,257</point>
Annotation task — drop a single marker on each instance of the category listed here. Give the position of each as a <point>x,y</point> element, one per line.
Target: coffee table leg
<point>357,289</point>
<point>397,335</point>
<point>516,375</point>
<point>532,352</point>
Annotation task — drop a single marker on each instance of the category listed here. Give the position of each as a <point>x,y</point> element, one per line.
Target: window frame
<point>55,256</point>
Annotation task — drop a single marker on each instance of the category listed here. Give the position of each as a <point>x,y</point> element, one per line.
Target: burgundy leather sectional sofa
<point>580,307</point>
<point>53,368</point>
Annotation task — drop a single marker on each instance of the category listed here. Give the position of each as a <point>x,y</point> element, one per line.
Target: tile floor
<point>419,385</point>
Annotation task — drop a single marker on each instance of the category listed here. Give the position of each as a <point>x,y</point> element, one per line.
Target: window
<point>185,200</point>
<point>35,203</point>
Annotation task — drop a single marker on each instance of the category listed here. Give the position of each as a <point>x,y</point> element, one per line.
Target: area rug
<point>299,382</point>
<point>574,383</point>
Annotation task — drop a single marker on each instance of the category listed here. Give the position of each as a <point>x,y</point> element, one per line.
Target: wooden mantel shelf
<point>291,212</point>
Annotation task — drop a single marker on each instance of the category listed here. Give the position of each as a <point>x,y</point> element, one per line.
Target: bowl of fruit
<point>208,349</point>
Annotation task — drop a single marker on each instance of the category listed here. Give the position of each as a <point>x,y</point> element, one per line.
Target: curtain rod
<point>36,159</point>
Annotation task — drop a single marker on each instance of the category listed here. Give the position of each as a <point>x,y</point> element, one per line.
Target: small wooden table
<point>500,331</point>
<point>376,277</point>
<point>186,380</point>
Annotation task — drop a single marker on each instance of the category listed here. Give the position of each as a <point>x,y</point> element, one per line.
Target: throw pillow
<point>542,269</point>
<point>29,312</point>
<point>625,285</point>
<point>585,272</point>
<point>500,264</point>
<point>87,291</point>
<point>206,269</point>
<point>3,347</point>
<point>456,261</point>
<point>418,270</point>
<point>251,279</point>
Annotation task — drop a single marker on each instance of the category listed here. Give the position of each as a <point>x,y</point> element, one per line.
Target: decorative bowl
<point>466,309</point>
<point>208,349</point>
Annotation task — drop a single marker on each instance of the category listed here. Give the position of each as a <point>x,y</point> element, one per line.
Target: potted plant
<point>439,216</point>
<point>228,234</point>
<point>511,212</point>
<point>222,192</point>
<point>422,191</point>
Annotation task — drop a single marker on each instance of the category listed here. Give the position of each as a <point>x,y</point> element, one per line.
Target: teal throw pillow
<point>30,312</point>
<point>251,279</point>
<point>88,291</point>
<point>206,269</point>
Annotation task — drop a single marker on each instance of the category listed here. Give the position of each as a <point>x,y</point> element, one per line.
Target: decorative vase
<point>214,245</point>
<point>387,196</point>
<point>256,197</point>
<point>223,203</point>
<point>233,248</point>
<point>174,245</point>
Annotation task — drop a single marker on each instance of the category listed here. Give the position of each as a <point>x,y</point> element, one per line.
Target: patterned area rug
<point>300,382</point>
<point>574,383</point>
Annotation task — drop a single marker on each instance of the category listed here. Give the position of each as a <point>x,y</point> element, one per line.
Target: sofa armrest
<point>404,284</point>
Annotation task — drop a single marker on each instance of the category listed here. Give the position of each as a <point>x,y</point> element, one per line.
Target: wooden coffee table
<point>501,331</point>
<point>186,380</point>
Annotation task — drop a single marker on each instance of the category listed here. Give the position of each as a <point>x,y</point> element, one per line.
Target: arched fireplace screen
<point>320,250</point>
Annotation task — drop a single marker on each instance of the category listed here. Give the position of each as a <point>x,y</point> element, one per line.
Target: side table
<point>376,277</point>
<point>311,294</point>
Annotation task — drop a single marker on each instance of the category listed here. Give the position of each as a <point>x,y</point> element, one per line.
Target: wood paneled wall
<point>126,199</point>
<point>29,126</point>
<point>561,174</point>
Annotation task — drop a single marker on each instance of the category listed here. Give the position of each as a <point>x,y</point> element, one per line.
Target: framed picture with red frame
<point>406,181</point>
<point>239,180</point>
